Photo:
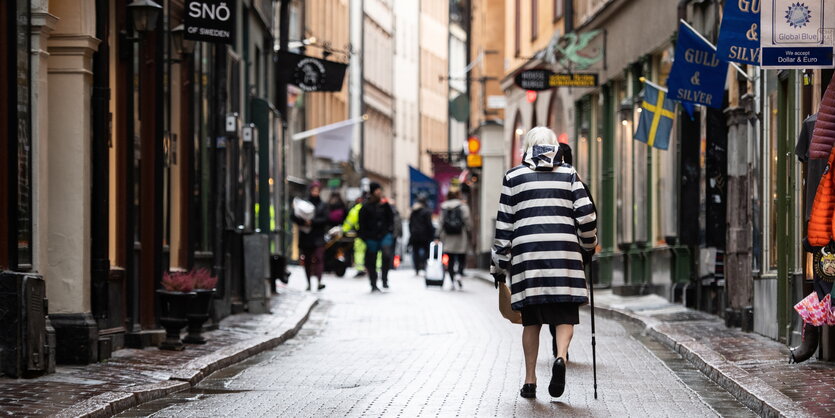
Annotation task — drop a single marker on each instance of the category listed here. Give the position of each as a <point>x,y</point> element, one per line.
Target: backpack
<point>420,225</point>
<point>453,220</point>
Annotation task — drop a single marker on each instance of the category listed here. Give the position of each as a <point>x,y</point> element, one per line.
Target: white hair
<point>540,135</point>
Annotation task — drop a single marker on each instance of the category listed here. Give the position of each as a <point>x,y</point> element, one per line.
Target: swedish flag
<point>657,116</point>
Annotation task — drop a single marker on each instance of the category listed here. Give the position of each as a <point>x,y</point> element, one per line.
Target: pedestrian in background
<point>397,231</point>
<point>421,233</point>
<point>544,222</point>
<point>376,228</point>
<point>454,233</point>
<point>350,227</point>
<point>312,237</point>
<point>336,209</point>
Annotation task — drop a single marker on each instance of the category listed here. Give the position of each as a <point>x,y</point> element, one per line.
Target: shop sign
<point>739,35</point>
<point>210,21</point>
<point>539,80</point>
<point>795,34</point>
<point>698,74</point>
<point>496,102</point>
<point>311,74</point>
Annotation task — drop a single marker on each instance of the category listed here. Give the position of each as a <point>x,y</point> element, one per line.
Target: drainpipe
<point>281,106</point>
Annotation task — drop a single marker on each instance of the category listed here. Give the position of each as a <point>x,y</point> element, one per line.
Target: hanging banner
<point>698,74</point>
<point>797,34</point>
<point>739,35</point>
<point>421,185</point>
<point>210,21</point>
<point>309,73</point>
<point>335,144</point>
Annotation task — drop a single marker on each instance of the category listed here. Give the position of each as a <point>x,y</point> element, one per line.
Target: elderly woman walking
<point>545,221</point>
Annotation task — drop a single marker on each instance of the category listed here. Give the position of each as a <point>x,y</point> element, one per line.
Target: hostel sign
<point>210,21</point>
<point>797,33</point>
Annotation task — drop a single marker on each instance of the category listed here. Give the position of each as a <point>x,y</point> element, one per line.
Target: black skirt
<point>551,314</point>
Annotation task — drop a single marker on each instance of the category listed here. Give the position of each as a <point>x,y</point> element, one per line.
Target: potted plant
<point>198,307</point>
<point>174,296</point>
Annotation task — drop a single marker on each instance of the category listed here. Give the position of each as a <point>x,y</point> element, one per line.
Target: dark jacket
<point>421,229</point>
<point>376,220</point>
<point>319,225</point>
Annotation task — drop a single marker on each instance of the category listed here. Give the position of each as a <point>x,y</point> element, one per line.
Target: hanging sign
<point>311,74</point>
<point>739,35</point>
<point>698,75</point>
<point>210,21</point>
<point>538,80</point>
<point>797,33</point>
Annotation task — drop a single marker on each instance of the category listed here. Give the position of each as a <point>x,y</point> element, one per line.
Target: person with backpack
<point>421,233</point>
<point>455,233</point>
<point>376,228</point>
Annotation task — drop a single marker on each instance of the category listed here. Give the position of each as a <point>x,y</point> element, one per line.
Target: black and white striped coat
<point>545,216</point>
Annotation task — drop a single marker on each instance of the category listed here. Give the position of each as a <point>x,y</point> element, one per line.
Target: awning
<point>327,128</point>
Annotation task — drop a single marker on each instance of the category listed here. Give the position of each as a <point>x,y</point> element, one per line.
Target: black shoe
<point>321,286</point>
<point>385,285</point>
<point>557,386</point>
<point>308,287</point>
<point>374,289</point>
<point>361,273</point>
<point>528,390</point>
<point>459,284</point>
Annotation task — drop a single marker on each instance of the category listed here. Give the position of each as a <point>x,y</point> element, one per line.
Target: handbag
<point>814,311</point>
<point>505,307</point>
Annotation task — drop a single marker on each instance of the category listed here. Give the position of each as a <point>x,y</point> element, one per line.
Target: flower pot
<point>197,314</point>
<point>173,309</point>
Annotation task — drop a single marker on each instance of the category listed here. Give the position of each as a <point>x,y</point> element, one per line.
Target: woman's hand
<point>498,277</point>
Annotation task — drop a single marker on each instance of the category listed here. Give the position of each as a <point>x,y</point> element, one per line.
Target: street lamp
<point>185,46</point>
<point>144,14</point>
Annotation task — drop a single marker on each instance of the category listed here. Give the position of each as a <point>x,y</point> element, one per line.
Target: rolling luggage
<point>435,265</point>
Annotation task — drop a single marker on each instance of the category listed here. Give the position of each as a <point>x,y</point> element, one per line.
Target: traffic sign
<point>474,160</point>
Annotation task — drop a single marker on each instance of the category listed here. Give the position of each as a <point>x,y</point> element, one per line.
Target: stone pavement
<point>417,351</point>
<point>752,367</point>
<point>134,376</point>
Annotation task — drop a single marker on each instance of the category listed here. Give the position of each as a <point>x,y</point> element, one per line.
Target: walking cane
<point>593,342</point>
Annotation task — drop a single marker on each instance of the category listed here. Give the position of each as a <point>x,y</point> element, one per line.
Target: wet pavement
<point>417,351</point>
<point>752,366</point>
<point>133,376</point>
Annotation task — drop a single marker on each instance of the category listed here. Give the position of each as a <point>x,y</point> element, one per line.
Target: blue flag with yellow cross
<point>657,117</point>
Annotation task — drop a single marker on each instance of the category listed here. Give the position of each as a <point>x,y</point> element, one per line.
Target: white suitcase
<point>435,265</point>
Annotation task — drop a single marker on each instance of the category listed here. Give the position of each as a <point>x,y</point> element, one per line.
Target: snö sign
<point>210,20</point>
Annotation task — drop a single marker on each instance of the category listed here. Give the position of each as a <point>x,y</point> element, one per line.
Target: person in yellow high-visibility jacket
<point>350,227</point>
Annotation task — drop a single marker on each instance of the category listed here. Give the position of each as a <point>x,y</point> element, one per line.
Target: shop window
<point>559,9</point>
<point>625,151</point>
<point>534,19</point>
<point>516,142</point>
<point>770,154</point>
<point>517,28</point>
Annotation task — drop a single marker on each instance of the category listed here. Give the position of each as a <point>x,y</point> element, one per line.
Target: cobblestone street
<point>413,351</point>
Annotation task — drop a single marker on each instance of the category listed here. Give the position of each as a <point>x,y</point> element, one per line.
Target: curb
<point>111,403</point>
<point>750,390</point>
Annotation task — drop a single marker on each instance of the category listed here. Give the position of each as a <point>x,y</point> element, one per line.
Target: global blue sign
<point>739,35</point>
<point>818,56</point>
<point>797,34</point>
<point>698,74</point>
